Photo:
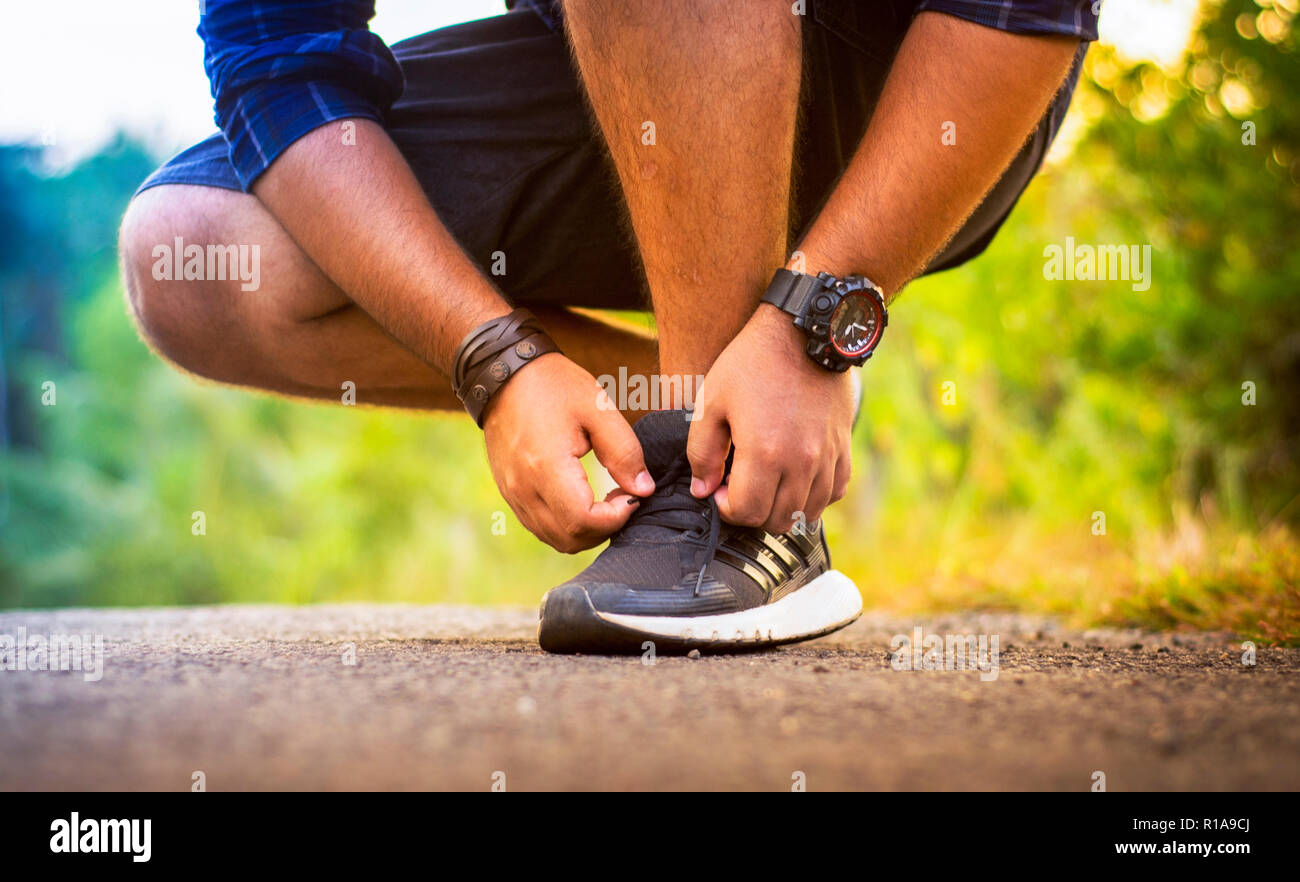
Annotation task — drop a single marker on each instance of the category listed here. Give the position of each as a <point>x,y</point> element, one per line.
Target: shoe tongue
<point>662,434</point>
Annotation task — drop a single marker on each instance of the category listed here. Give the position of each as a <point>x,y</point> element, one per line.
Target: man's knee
<point>179,318</point>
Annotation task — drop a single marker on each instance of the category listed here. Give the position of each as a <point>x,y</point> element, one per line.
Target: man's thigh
<point>494,124</point>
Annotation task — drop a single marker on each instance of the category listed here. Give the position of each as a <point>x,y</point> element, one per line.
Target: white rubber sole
<point>825,604</point>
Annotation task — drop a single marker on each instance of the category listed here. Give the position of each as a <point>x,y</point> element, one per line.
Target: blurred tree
<point>1206,158</point>
<point>60,234</point>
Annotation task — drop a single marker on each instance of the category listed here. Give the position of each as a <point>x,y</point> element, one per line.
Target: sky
<point>74,72</point>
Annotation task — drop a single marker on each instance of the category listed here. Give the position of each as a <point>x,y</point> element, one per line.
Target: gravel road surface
<point>264,697</point>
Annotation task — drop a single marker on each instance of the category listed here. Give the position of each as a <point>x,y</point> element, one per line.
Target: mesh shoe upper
<point>675,557</point>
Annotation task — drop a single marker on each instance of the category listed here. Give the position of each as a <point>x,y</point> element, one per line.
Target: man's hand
<point>788,419</point>
<point>537,428</point>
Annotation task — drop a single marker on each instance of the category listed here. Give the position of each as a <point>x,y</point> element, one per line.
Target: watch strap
<point>791,291</point>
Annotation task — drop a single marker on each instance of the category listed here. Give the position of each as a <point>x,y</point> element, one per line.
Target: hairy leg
<point>697,102</point>
<point>299,334</point>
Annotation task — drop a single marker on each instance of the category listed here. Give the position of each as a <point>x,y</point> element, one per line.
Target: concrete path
<point>448,697</point>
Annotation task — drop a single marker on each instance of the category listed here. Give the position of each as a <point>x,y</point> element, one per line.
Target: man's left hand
<point>788,419</point>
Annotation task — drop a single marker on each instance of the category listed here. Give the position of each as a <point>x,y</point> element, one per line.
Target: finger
<point>791,498</point>
<point>561,494</point>
<point>843,474</point>
<point>747,497</point>
<point>575,518</point>
<point>560,534</point>
<point>707,447</point>
<point>619,451</point>
<point>819,495</point>
<point>608,516</point>
<point>540,522</point>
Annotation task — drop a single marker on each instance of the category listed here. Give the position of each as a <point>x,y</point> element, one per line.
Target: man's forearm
<point>359,213</point>
<point>905,192</point>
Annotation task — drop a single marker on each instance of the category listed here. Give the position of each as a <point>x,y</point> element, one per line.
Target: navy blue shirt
<point>281,68</point>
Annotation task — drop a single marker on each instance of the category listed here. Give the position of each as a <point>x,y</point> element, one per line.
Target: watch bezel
<point>876,307</point>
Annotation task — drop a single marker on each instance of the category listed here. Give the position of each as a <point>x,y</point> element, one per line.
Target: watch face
<point>855,325</point>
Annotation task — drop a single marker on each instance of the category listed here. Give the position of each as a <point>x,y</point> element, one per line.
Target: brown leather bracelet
<point>494,352</point>
<point>486,339</point>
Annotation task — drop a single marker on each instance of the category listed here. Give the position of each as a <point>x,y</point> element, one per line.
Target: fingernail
<point>645,484</point>
<point>697,487</point>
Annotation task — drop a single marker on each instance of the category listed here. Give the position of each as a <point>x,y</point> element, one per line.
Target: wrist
<point>783,341</point>
<point>492,355</point>
<point>813,257</point>
<point>522,389</point>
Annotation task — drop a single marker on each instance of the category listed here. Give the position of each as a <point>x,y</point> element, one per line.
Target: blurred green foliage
<point>1068,399</point>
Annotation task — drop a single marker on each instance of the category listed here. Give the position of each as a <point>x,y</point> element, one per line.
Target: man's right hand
<point>537,428</point>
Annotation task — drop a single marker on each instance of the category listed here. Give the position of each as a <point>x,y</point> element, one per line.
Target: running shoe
<point>679,578</point>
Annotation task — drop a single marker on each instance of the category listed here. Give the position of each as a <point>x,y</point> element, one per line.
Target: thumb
<point>610,514</point>
<point>619,451</point>
<point>707,448</point>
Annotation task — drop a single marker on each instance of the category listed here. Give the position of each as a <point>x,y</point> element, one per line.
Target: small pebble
<point>694,653</point>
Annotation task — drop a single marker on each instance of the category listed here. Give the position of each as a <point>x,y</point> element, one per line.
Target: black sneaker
<point>678,577</point>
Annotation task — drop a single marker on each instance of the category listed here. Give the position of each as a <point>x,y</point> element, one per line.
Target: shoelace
<point>673,495</point>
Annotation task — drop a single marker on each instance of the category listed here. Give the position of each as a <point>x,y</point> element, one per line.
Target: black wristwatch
<point>843,318</point>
